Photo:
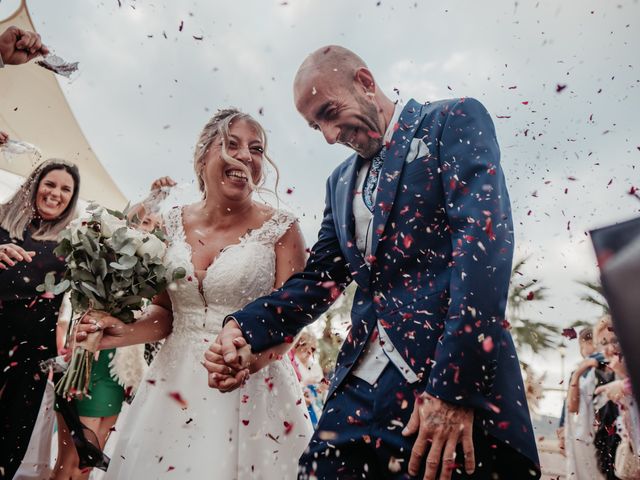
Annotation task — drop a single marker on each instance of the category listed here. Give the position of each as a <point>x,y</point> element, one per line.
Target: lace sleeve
<point>277,226</point>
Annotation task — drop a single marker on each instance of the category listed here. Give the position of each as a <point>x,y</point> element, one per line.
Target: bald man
<point>427,381</point>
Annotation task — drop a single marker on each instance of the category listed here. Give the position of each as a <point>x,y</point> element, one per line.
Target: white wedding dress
<point>178,427</point>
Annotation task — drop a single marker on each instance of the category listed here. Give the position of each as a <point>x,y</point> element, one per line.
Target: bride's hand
<point>96,320</point>
<point>222,376</point>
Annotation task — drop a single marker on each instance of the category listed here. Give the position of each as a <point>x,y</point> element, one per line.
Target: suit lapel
<point>345,190</point>
<point>392,168</point>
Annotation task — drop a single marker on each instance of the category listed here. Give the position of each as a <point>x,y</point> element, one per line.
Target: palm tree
<point>594,295</point>
<point>527,333</point>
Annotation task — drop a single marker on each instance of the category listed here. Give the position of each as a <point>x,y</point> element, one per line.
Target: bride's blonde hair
<point>218,127</point>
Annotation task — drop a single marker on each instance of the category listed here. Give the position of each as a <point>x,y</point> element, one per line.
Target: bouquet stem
<point>75,381</point>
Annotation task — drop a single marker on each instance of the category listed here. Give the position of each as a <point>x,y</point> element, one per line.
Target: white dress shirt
<point>379,350</point>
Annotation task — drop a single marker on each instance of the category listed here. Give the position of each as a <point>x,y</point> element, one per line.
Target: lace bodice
<point>241,273</point>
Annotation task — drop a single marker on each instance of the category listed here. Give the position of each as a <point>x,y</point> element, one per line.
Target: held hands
<point>228,359</point>
<point>18,46</point>
<point>443,426</point>
<point>11,253</point>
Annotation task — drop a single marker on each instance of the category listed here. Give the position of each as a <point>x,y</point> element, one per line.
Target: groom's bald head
<point>331,63</point>
<point>337,95</point>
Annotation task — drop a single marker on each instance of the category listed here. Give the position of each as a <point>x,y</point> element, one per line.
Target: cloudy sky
<point>560,78</point>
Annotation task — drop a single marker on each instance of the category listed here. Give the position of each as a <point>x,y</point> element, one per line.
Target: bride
<point>233,250</point>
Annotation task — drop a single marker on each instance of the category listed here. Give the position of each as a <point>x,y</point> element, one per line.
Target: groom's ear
<point>364,81</point>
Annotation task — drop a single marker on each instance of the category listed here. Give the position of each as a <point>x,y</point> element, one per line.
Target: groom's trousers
<point>359,437</point>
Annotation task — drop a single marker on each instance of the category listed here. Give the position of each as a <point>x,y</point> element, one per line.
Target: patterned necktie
<point>371,182</point>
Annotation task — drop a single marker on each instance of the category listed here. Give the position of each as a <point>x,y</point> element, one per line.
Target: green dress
<point>106,394</point>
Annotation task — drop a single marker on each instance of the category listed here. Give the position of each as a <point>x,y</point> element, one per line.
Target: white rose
<point>110,224</point>
<point>135,237</point>
<point>151,245</point>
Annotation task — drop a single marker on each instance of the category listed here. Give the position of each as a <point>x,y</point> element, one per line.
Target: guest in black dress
<point>30,222</point>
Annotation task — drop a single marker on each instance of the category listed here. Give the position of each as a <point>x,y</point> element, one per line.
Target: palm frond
<point>537,336</point>
<point>594,294</point>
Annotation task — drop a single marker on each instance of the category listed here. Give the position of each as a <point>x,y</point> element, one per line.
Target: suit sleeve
<point>479,216</point>
<point>278,317</point>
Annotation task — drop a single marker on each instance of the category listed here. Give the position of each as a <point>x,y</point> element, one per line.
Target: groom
<point>427,381</point>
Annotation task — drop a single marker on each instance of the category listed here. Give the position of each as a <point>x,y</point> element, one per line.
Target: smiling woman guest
<point>30,222</point>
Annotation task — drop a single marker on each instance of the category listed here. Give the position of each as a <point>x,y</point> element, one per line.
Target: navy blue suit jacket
<point>442,250</point>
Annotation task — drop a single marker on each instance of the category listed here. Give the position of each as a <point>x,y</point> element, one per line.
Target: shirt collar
<point>391,128</point>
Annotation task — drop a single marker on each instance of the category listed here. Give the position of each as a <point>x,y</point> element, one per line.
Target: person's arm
<point>4,137</point>
<point>154,324</point>
<point>277,318</point>
<point>290,259</point>
<point>573,395</point>
<point>138,210</point>
<point>479,218</point>
<point>18,46</point>
<point>614,391</point>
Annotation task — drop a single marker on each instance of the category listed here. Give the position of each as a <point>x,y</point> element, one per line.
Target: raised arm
<point>573,395</point>
<point>18,46</point>
<point>277,318</point>
<point>155,324</point>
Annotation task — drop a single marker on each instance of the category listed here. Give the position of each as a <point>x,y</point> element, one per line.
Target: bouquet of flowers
<point>111,268</point>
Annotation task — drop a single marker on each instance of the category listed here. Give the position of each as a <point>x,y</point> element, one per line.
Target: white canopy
<point>34,109</point>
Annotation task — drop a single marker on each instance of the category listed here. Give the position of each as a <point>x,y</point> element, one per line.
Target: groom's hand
<point>228,358</point>
<point>231,340</point>
<point>443,425</point>
<point>221,376</point>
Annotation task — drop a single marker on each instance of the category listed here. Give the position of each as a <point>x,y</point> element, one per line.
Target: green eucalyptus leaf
<point>128,261</point>
<point>91,288</point>
<point>130,300</point>
<point>128,248</point>
<point>179,273</point>
<point>49,281</point>
<point>61,287</point>
<point>119,237</point>
<point>81,275</point>
<point>116,214</point>
<point>100,288</point>
<point>87,243</point>
<point>63,248</point>
<point>99,267</point>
